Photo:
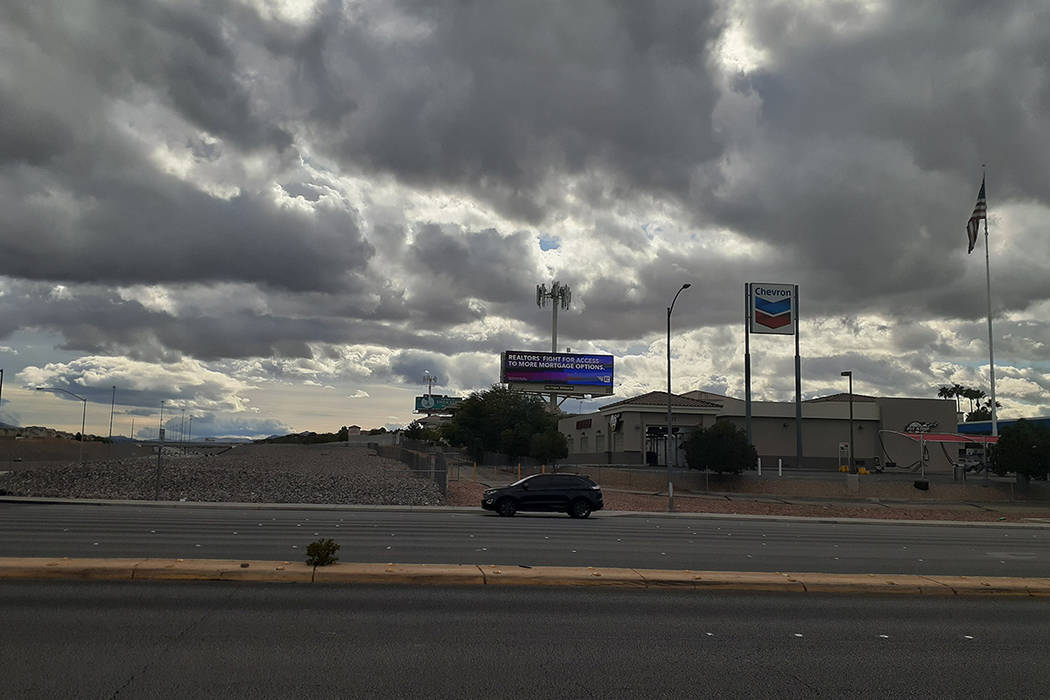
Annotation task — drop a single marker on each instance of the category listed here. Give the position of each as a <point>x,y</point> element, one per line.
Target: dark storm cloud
<point>124,229</point>
<point>451,268</point>
<point>871,127</point>
<point>341,172</point>
<point>82,202</point>
<point>180,51</point>
<point>97,321</point>
<point>497,97</point>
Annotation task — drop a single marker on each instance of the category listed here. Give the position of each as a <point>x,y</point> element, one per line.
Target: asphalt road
<point>656,542</point>
<point>137,640</point>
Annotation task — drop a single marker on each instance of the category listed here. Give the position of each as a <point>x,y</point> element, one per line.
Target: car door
<point>531,494</point>
<point>542,493</point>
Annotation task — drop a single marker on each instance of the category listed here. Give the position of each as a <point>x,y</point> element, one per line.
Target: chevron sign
<point>772,308</point>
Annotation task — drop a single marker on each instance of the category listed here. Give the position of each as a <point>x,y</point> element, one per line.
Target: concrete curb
<point>44,568</point>
<point>477,510</point>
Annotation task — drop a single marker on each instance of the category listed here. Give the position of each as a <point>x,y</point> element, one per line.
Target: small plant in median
<point>321,553</point>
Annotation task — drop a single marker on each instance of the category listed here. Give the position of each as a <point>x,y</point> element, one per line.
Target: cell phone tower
<point>559,295</point>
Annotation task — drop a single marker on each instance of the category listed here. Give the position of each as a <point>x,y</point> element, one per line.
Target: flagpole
<point>988,280</point>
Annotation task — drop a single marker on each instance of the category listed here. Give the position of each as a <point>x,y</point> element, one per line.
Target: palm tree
<point>971,394</point>
<point>957,390</point>
<point>945,392</point>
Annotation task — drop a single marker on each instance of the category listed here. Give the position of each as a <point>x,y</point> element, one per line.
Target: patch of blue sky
<point>549,242</point>
<point>651,230</point>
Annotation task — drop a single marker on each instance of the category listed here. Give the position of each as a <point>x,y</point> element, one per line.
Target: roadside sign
<point>772,308</point>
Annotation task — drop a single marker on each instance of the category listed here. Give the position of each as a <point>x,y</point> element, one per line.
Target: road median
<point>144,569</point>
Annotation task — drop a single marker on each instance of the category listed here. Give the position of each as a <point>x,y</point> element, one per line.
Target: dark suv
<point>574,494</point>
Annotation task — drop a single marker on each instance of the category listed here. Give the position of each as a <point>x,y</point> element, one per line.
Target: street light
<point>112,403</point>
<point>83,415</point>
<point>849,374</point>
<point>667,442</point>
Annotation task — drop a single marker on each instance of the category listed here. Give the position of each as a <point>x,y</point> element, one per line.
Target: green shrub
<point>723,447</point>
<point>1024,448</point>
<point>321,553</point>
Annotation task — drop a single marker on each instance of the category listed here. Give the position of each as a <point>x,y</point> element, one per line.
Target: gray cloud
<point>210,181</point>
<point>495,97</point>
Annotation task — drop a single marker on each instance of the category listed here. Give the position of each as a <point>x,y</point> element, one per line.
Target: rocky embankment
<point>247,473</point>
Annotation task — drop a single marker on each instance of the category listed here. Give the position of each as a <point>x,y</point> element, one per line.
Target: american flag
<point>980,211</point>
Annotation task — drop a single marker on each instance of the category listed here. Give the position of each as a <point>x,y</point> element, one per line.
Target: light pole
<point>849,373</point>
<point>667,442</point>
<point>83,415</point>
<point>160,451</point>
<point>112,403</point>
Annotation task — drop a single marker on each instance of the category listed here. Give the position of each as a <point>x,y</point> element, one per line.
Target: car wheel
<point>579,509</point>
<point>507,507</point>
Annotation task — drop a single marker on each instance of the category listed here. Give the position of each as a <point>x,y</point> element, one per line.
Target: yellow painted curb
<point>222,570</point>
<point>66,568</point>
<point>568,576</point>
<point>38,568</point>
<point>443,574</point>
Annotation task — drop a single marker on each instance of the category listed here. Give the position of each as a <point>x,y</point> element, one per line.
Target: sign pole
<point>798,389</point>
<point>747,360</point>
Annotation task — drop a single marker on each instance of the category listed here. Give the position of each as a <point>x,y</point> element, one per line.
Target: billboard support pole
<point>554,348</point>
<point>558,294</point>
<point>798,388</point>
<point>747,360</point>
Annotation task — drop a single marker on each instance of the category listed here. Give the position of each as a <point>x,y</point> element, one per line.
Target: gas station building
<point>633,431</point>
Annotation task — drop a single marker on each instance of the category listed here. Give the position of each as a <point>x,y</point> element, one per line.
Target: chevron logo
<point>772,313</point>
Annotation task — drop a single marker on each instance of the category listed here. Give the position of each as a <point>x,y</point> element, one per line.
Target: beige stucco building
<point>633,431</point>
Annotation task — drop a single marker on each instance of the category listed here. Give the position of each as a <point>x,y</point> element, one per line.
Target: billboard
<point>557,372</point>
<point>432,403</point>
<point>772,308</point>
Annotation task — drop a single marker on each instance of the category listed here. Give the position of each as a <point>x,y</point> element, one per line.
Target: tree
<point>970,394</point>
<point>549,446</point>
<point>499,420</point>
<point>723,447</point>
<point>417,431</point>
<point>982,412</point>
<point>1024,448</point>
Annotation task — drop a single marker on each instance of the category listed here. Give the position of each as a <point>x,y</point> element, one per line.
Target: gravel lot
<point>247,474</point>
<point>335,473</point>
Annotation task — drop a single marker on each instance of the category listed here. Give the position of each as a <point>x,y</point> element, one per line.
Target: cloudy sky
<point>276,215</point>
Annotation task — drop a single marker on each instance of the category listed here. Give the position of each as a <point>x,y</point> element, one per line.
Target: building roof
<point>709,396</point>
<point>842,397</point>
<point>659,398</point>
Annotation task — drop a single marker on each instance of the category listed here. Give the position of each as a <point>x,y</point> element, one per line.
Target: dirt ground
<point>468,493</point>
<point>326,459</point>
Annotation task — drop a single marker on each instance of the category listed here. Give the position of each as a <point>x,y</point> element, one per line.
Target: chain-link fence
<point>426,464</point>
